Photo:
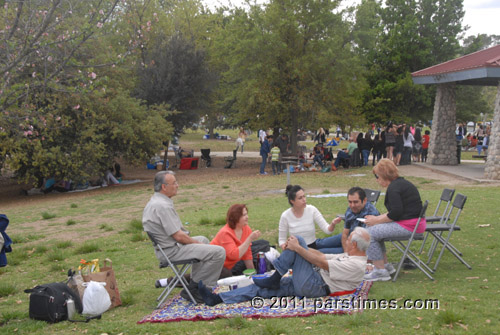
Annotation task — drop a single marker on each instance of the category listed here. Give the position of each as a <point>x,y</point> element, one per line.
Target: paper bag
<point>107,275</point>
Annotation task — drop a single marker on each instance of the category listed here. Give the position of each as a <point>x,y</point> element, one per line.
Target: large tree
<point>289,64</point>
<point>416,34</point>
<point>62,111</point>
<point>176,73</point>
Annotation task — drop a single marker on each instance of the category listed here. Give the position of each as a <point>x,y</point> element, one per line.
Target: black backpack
<point>48,302</point>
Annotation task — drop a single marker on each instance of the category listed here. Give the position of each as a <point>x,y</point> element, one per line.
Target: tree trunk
<point>294,114</point>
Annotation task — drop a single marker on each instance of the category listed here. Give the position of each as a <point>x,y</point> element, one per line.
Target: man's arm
<point>314,257</point>
<point>345,236</point>
<point>183,238</point>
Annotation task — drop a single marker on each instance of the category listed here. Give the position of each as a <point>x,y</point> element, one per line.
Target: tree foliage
<point>289,65</point>
<point>176,73</point>
<point>61,111</point>
<point>416,34</point>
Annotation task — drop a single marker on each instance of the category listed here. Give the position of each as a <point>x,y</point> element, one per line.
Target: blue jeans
<point>341,155</point>
<point>305,282</point>
<point>263,164</point>
<point>365,153</point>
<point>318,159</point>
<point>276,167</point>
<point>330,245</point>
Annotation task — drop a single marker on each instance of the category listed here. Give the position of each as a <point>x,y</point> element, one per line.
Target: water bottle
<point>70,304</point>
<point>261,265</point>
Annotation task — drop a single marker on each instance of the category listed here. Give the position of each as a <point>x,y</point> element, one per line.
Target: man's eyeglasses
<point>376,176</point>
<point>174,183</point>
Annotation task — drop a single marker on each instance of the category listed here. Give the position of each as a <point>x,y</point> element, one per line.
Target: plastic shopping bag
<point>95,298</point>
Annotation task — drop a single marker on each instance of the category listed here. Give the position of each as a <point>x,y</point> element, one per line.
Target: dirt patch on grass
<point>11,192</point>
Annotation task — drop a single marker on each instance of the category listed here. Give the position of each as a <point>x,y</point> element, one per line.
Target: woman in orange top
<point>236,238</point>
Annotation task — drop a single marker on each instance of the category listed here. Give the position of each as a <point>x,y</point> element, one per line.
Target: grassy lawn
<point>53,234</point>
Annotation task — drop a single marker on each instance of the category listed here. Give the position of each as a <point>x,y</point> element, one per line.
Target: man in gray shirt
<point>162,221</point>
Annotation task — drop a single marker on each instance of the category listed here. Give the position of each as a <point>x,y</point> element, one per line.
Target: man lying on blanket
<point>314,274</point>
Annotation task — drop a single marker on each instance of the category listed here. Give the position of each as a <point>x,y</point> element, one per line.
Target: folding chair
<point>446,196</point>
<point>438,229</point>
<point>179,268</point>
<point>372,196</point>
<point>406,251</point>
<point>230,160</point>
<point>205,157</point>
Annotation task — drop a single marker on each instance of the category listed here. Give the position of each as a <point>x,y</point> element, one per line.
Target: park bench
<point>485,157</point>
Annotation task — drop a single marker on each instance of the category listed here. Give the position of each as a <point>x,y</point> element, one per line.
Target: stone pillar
<point>443,144</point>
<point>492,170</point>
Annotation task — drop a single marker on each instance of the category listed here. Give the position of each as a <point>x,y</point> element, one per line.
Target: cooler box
<point>189,163</point>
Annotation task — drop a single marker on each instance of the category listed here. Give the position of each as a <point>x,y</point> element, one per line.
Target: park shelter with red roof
<point>478,68</point>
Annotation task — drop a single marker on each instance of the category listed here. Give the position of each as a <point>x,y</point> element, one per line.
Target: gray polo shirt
<point>160,219</point>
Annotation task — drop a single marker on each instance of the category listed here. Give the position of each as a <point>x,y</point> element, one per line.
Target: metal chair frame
<point>437,231</point>
<point>406,251</point>
<point>179,268</point>
<point>231,160</point>
<point>446,196</point>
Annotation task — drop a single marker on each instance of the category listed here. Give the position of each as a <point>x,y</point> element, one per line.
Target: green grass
<point>136,225</point>
<point>7,289</point>
<point>48,216</point>
<point>64,244</point>
<point>70,222</point>
<point>106,227</point>
<point>56,256</point>
<point>469,301</point>
<point>41,249</point>
<point>87,248</point>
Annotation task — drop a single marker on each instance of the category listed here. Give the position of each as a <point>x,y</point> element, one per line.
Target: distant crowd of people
<point>400,143</point>
<point>479,139</point>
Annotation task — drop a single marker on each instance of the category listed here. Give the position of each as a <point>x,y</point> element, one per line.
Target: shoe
<point>408,265</point>
<point>378,275</point>
<point>165,281</point>
<point>263,174</point>
<point>272,282</point>
<point>390,268</point>
<point>334,168</point>
<point>209,298</point>
<point>193,288</point>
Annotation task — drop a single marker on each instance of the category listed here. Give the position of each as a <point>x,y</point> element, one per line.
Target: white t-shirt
<point>303,226</point>
<point>262,135</point>
<point>345,272</point>
<point>408,140</point>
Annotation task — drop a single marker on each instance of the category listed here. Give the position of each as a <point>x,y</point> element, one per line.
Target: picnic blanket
<point>179,309</point>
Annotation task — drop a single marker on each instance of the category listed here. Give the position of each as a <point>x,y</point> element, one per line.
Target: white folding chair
<point>406,251</point>
<point>179,267</point>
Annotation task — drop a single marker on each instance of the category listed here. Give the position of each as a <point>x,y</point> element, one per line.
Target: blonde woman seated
<point>403,204</point>
<point>300,219</point>
<point>236,238</point>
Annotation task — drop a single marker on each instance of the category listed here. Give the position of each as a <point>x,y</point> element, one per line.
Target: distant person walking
<point>265,149</point>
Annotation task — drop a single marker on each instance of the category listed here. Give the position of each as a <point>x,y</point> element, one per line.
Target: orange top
<point>226,238</point>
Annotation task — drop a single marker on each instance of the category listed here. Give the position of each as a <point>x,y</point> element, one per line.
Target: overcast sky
<point>482,16</point>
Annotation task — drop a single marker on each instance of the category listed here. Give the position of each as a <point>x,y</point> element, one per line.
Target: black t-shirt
<point>402,200</point>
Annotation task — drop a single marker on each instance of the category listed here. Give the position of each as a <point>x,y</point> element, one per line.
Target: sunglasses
<point>376,176</point>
